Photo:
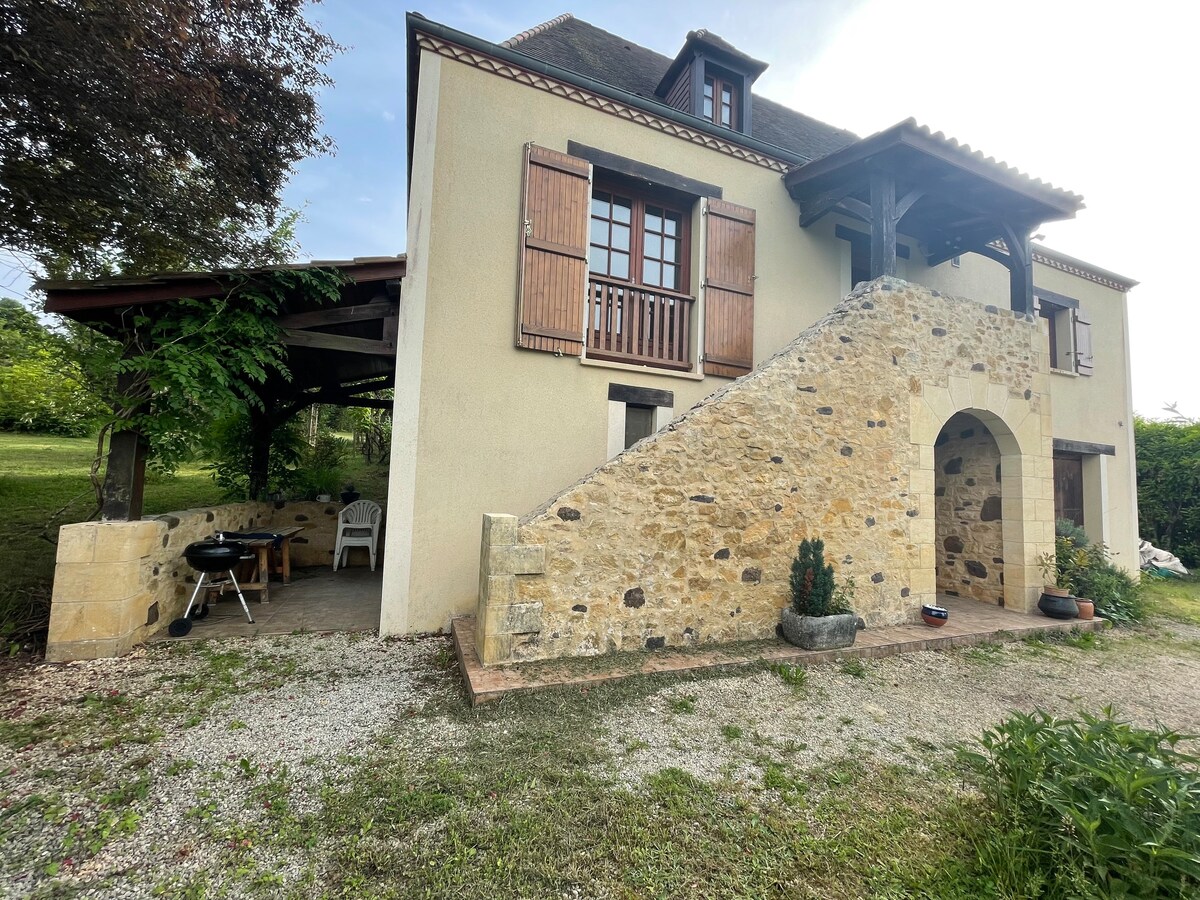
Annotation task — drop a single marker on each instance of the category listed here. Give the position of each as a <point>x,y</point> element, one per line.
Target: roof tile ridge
<point>536,29</point>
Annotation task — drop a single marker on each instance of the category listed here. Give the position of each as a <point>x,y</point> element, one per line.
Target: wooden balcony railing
<point>644,326</point>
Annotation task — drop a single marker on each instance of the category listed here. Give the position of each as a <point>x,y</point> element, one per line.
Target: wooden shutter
<point>1083,342</point>
<point>554,251</point>
<point>729,289</point>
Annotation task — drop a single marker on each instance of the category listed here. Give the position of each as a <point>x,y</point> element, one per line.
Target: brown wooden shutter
<point>1083,342</point>
<point>554,251</point>
<point>729,290</point>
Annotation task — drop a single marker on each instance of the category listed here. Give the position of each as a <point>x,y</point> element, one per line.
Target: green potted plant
<point>1056,600</point>
<point>819,617</point>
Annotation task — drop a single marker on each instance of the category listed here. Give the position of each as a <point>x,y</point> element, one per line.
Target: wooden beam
<point>337,315</point>
<point>883,224</point>
<point>905,204</point>
<point>856,209</point>
<point>818,206</point>
<point>318,340</point>
<point>124,478</point>
<point>1020,267</point>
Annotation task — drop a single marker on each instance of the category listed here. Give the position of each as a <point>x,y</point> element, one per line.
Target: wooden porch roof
<point>952,199</point>
<point>336,352</point>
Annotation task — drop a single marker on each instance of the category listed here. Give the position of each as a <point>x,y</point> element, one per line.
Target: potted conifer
<point>819,617</point>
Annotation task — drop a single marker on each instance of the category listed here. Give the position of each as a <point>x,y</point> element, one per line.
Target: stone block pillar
<point>502,625</point>
<point>102,599</point>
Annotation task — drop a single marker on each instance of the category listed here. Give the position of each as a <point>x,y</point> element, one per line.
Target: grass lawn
<point>1175,598</point>
<point>44,484</point>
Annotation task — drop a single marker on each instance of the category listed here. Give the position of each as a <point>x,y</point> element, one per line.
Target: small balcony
<point>642,326</point>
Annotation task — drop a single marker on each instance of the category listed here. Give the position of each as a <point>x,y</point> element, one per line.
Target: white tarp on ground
<point>1153,558</point>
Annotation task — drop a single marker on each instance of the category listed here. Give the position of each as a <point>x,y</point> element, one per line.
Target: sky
<point>1090,96</point>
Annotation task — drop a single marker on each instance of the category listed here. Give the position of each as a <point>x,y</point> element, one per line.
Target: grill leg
<point>199,585</point>
<point>238,588</point>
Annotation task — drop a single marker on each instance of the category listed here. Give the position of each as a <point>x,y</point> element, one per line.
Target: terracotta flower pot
<point>934,616</point>
<point>1087,609</point>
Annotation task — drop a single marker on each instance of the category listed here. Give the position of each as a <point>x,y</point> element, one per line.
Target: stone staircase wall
<point>688,536</point>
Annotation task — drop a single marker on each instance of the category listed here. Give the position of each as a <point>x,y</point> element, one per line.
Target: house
<point>794,329</point>
<point>652,330</point>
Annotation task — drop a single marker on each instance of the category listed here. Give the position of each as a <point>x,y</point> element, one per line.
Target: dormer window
<point>711,79</point>
<point>720,101</point>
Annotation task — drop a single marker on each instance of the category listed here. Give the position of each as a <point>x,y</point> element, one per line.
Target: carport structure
<point>337,352</point>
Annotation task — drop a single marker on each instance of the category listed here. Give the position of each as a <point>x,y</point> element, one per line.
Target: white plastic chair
<point>358,526</point>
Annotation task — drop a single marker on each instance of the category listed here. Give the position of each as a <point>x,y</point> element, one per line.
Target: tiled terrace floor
<point>318,599</point>
<point>971,622</point>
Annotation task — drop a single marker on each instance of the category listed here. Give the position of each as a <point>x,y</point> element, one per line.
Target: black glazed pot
<point>349,497</point>
<point>934,616</point>
<point>214,556</point>
<point>1058,607</point>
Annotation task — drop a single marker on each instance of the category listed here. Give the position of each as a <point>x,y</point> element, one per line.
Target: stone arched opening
<point>968,504</point>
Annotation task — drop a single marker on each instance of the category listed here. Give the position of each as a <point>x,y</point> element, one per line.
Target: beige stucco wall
<point>688,536</point>
<point>481,425</point>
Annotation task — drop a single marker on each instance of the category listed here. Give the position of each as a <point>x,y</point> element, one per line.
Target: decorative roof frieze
<point>596,101</point>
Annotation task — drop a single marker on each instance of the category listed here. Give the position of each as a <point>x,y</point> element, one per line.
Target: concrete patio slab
<point>971,622</point>
<point>318,599</point>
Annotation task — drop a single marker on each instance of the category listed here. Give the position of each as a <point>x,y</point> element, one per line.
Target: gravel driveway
<point>120,772</point>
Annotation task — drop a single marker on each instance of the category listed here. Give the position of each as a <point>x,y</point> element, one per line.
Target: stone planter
<point>819,633</point>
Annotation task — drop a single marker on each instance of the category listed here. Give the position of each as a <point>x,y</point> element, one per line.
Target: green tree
<point>143,135</point>
<point>1168,482</point>
<point>42,386</point>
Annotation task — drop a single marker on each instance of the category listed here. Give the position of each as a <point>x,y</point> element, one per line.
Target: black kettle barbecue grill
<point>210,558</point>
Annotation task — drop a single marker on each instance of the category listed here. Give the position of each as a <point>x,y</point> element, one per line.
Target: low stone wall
<point>688,536</point>
<point>117,583</point>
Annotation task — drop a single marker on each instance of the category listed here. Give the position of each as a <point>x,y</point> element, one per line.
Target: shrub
<point>811,580</point>
<point>228,446</point>
<point>1088,572</point>
<point>1072,532</point>
<point>1088,807</point>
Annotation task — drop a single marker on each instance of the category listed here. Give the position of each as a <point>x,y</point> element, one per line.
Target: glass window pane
<point>653,273</point>
<point>600,232</point>
<point>669,246</point>
<point>652,246</point>
<point>670,278</point>
<point>598,260</point>
<point>726,117</point>
<point>708,107</point>
<point>600,204</point>
<point>671,224</point>
<point>621,210</point>
<point>708,88</point>
<point>620,265</point>
<point>654,219</point>
<point>620,237</point>
<point>726,96</point>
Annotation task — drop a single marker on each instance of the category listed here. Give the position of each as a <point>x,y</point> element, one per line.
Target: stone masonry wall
<point>688,536</point>
<point>117,583</point>
<point>970,533</point>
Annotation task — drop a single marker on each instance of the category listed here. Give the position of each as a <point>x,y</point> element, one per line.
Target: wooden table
<point>264,564</point>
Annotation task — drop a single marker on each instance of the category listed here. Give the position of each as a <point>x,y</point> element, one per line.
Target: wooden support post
<point>261,426</point>
<point>1020,270</point>
<point>124,478</point>
<point>883,224</point>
